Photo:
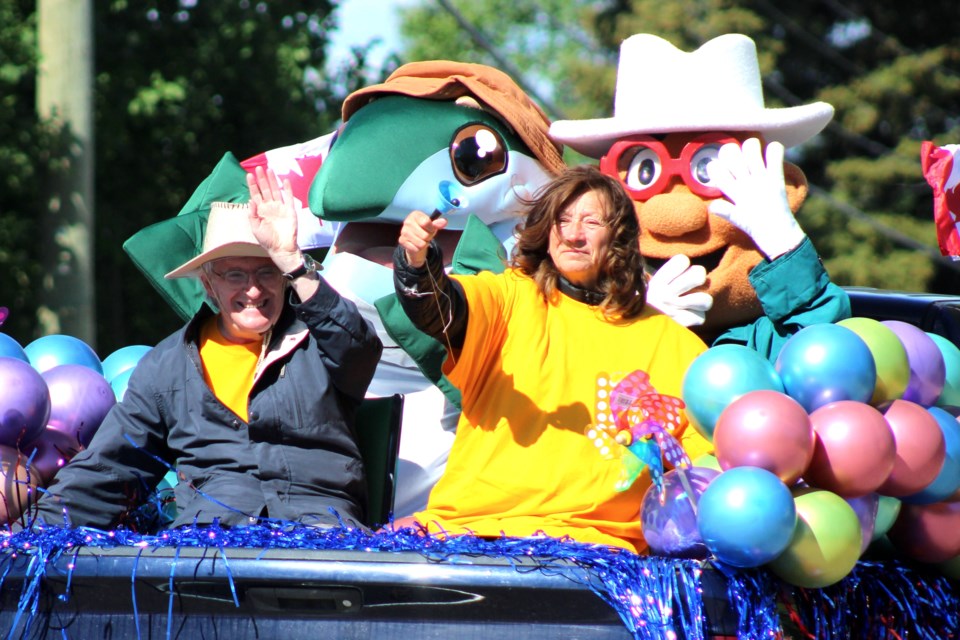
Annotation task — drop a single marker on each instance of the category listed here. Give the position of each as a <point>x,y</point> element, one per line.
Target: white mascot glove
<point>756,196</point>
<point>668,288</point>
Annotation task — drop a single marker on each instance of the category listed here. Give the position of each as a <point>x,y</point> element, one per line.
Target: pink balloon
<point>920,448</point>
<point>928,532</point>
<point>855,450</point>
<point>928,371</point>
<point>765,429</point>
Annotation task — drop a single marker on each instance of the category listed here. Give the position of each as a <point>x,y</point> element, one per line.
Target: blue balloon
<point>10,348</point>
<point>119,383</point>
<point>824,363</point>
<point>122,359</point>
<point>56,349</point>
<point>746,516</point>
<point>947,481</point>
<point>720,375</point>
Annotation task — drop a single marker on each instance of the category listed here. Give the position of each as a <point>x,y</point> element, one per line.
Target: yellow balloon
<point>826,542</point>
<point>889,354</point>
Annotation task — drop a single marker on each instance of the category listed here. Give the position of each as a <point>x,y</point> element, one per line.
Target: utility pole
<point>65,102</point>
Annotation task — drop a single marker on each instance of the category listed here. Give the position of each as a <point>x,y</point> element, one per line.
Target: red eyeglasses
<point>644,166</point>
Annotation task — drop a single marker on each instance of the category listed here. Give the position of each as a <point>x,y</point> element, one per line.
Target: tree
<point>887,68</point>
<point>177,84</point>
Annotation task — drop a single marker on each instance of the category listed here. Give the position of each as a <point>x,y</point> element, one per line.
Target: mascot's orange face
<point>667,178</point>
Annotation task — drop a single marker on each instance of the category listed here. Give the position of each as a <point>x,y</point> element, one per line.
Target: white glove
<point>667,291</point>
<point>756,196</point>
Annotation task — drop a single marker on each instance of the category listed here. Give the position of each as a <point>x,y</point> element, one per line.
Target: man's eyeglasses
<point>240,279</point>
<point>644,166</point>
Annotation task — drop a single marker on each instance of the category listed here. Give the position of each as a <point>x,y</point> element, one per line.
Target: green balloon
<point>888,508</point>
<point>951,568</point>
<point>889,354</point>
<point>709,461</point>
<point>950,396</point>
<point>825,544</point>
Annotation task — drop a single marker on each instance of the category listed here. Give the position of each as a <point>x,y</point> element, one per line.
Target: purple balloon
<point>928,372</point>
<point>671,528</point>
<point>49,453</point>
<point>24,402</point>
<point>866,508</point>
<point>80,399</point>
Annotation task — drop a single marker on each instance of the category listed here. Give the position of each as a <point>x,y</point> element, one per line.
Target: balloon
<point>765,429</point>
<point>927,532</point>
<point>50,351</point>
<point>708,461</point>
<point>11,348</point>
<point>746,516</point>
<point>671,528</point>
<point>866,507</point>
<point>947,481</point>
<point>119,383</point>
<point>888,509</point>
<point>826,544</point>
<point>720,375</point>
<point>24,402</point>
<point>17,492</point>
<point>823,363</point>
<point>80,399</point>
<point>889,356</point>
<point>951,568</point>
<point>950,395</point>
<point>855,450</point>
<point>927,369</point>
<point>123,359</point>
<point>920,446</point>
<point>48,453</point>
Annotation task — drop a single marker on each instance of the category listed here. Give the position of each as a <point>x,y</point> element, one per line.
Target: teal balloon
<point>947,481</point>
<point>720,375</point>
<point>10,348</point>
<point>746,516</point>
<point>824,363</point>
<point>122,359</point>
<point>56,349</point>
<point>950,396</point>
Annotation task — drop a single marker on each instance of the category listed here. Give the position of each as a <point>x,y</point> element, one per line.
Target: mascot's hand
<point>756,196</point>
<point>668,289</point>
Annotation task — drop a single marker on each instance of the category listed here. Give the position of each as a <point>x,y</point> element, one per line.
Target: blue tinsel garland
<point>878,599</point>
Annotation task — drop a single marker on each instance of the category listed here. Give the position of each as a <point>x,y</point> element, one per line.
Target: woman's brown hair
<point>621,280</point>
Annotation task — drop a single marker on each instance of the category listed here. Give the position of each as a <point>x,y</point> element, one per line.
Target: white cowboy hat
<point>661,89</point>
<point>228,235</point>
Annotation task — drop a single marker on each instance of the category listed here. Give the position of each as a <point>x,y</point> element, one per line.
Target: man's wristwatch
<point>308,265</point>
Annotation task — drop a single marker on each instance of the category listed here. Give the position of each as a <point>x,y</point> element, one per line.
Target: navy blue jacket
<point>295,458</point>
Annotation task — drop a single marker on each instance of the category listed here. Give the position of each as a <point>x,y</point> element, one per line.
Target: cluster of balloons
<point>851,436</point>
<point>54,393</point>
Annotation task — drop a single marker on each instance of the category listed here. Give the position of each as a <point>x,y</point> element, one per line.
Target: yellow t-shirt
<point>521,461</point>
<point>233,366</point>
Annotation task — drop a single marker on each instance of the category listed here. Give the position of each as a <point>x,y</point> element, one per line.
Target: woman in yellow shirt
<point>526,349</point>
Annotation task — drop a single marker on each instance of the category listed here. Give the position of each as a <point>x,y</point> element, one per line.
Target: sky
<point>361,21</point>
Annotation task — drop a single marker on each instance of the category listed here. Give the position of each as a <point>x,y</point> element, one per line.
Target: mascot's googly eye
<point>644,169</point>
<point>701,160</point>
<point>476,153</point>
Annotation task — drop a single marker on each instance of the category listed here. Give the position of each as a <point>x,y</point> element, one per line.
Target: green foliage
<point>177,85</point>
<point>889,69</point>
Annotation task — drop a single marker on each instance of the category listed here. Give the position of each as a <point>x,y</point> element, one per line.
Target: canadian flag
<point>942,171</point>
<point>299,163</point>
